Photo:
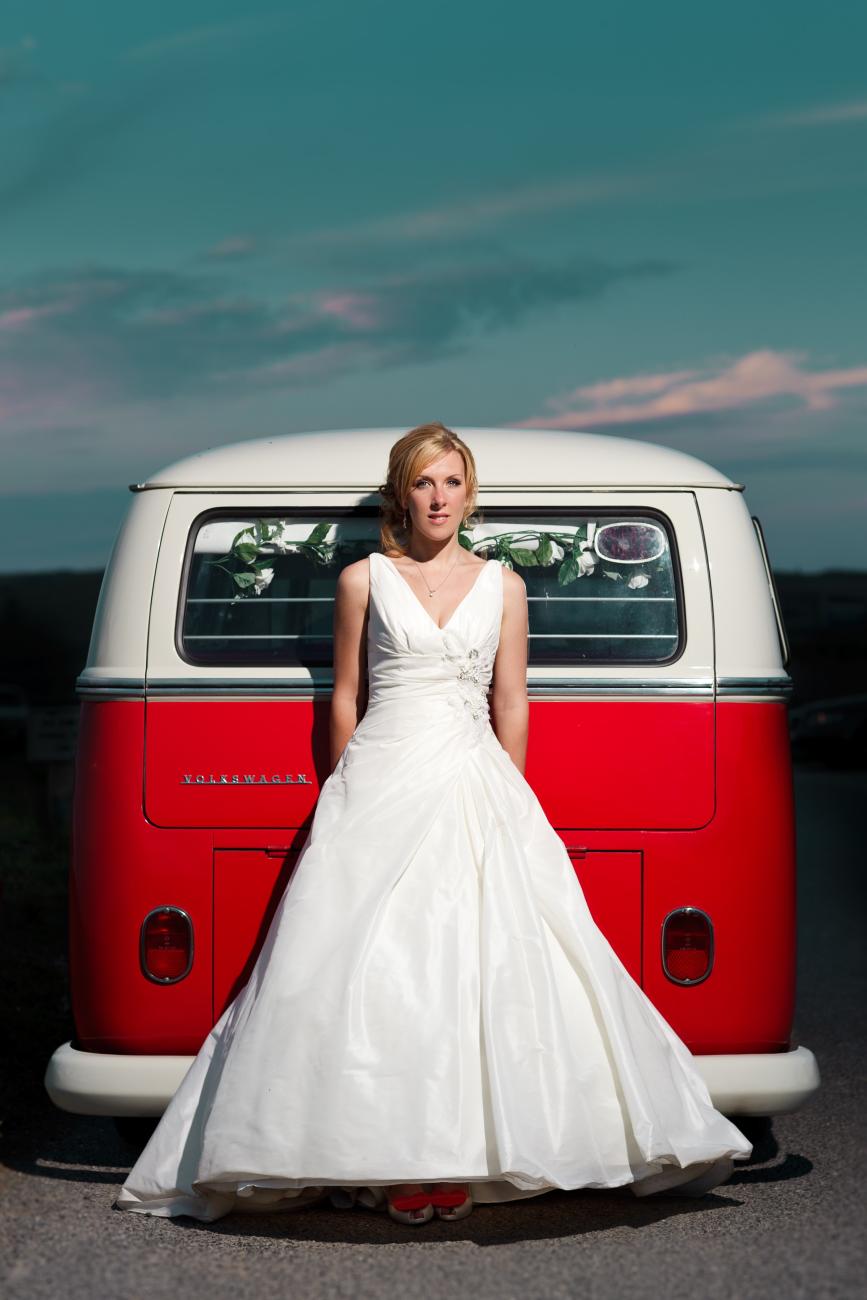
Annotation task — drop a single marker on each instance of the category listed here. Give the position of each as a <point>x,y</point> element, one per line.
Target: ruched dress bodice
<point>425,671</point>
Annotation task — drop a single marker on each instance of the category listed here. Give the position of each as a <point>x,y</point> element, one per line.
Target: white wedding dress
<point>433,1000</point>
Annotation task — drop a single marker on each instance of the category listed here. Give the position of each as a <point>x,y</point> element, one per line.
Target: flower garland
<point>255,544</point>
<point>575,553</point>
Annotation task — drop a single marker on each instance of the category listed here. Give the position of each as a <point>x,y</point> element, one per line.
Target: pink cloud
<point>757,377</point>
<point>355,309</point>
<point>326,362</point>
<point>48,403</point>
<point>639,385</point>
<point>485,210</point>
<point>18,318</point>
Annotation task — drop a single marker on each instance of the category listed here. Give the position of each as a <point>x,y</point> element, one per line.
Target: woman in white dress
<point>434,1019</point>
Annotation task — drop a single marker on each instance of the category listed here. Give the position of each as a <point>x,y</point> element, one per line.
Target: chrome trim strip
<point>84,682</point>
<point>537,688</point>
<point>776,688</point>
<point>110,688</point>
<point>632,687</point>
<point>363,491</point>
<point>201,687</point>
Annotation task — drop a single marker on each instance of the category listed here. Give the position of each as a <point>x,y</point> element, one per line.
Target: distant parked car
<point>834,730</point>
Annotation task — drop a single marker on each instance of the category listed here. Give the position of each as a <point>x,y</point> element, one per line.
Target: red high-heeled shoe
<point>407,1206</point>
<point>451,1200</point>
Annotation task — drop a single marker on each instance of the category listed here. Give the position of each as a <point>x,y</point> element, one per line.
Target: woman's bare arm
<point>349,697</point>
<point>509,704</point>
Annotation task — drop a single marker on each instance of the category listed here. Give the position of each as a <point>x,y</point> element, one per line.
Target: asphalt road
<point>790,1223</point>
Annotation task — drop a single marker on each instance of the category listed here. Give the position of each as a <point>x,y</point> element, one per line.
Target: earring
<point>405,524</point>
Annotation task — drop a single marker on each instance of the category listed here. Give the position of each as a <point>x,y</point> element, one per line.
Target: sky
<point>222,221</point>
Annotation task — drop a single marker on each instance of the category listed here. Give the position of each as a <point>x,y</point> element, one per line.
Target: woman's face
<point>438,497</point>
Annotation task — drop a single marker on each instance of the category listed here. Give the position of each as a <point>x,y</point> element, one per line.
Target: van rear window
<point>602,585</point>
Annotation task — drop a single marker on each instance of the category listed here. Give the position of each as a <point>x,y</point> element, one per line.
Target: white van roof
<point>505,458</point>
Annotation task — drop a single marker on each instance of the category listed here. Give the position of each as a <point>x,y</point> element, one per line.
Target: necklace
<point>430,591</point>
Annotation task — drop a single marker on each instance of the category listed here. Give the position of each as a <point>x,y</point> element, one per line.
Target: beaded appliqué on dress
<point>473,670</point>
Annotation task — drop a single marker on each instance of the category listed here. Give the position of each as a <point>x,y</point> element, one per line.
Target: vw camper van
<point>658,741</point>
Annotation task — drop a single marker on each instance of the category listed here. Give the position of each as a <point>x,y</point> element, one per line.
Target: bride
<point>434,1019</point>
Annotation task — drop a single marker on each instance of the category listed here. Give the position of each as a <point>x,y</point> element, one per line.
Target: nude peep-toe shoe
<point>410,1204</point>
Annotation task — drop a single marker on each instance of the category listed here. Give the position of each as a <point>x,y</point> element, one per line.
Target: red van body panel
<point>607,764</point>
<point>225,851</point>
<point>122,867</point>
<point>216,763</point>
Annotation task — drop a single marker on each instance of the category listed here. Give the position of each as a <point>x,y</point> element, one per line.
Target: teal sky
<point>220,221</point>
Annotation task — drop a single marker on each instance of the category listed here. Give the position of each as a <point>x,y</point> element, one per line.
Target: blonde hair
<point>408,456</point>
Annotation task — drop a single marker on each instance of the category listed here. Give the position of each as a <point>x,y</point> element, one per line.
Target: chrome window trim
<point>677,911</point>
<point>167,979</point>
<point>775,595</point>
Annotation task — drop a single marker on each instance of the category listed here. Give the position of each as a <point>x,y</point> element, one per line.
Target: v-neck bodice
<point>454,613</point>
<point>426,670</point>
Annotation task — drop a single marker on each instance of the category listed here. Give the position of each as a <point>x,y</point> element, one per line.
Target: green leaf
<point>569,570</point>
<point>247,552</point>
<point>520,556</point>
<point>320,532</point>
<point>545,553</point>
<point>244,580</point>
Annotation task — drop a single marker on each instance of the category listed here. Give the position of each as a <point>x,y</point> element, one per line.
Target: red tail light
<point>687,945</point>
<point>166,945</point>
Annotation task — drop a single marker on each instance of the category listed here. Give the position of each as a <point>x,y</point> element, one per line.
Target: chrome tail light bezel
<point>166,979</point>
<point>687,910</point>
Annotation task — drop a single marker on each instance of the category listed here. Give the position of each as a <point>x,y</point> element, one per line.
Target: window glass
<point>601,585</point>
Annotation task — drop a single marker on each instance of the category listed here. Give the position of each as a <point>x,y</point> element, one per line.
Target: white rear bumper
<point>103,1083</point>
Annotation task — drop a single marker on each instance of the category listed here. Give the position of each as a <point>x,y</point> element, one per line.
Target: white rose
<point>638,580</point>
<point>283,541</point>
<point>586,562</point>
<point>263,579</point>
<point>557,551</point>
